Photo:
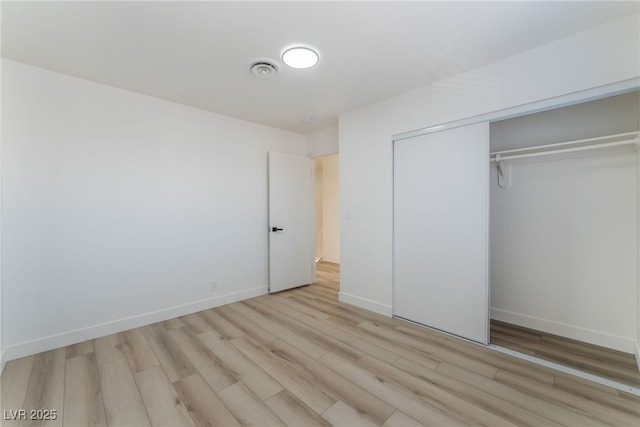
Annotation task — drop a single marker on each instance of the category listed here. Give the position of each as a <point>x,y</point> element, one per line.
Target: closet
<point>440,241</point>
<point>531,220</point>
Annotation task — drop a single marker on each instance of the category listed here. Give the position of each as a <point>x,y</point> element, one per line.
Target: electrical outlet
<point>213,286</point>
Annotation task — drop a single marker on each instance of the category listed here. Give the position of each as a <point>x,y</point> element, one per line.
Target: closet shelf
<point>562,148</point>
<point>622,139</point>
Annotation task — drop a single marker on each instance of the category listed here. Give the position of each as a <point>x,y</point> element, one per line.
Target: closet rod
<point>626,135</point>
<point>506,155</point>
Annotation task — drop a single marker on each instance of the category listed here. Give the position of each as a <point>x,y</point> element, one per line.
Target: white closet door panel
<point>440,253</point>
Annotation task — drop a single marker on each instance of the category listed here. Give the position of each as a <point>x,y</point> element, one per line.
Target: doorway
<point>327,227</point>
<point>563,236</point>
<point>290,218</point>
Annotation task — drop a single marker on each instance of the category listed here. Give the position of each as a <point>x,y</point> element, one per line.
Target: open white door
<point>440,231</point>
<point>291,221</point>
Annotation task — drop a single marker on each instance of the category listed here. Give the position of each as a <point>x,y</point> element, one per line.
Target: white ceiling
<point>197,53</point>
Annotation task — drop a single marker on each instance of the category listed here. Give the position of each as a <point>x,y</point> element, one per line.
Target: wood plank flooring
<point>299,358</point>
<point>603,362</point>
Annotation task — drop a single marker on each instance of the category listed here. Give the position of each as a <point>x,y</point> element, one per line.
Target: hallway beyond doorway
<point>327,211</point>
<point>328,274</point>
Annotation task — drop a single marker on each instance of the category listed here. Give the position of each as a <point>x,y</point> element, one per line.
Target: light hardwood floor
<point>603,362</point>
<point>299,358</point>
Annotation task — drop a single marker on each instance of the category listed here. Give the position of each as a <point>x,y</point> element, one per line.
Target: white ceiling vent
<point>264,69</point>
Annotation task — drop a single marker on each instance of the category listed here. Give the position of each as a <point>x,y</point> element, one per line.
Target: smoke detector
<point>263,69</point>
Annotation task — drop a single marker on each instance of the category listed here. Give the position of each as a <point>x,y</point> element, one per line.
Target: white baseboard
<point>591,336</point>
<point>3,361</point>
<point>638,354</point>
<point>51,342</point>
<point>385,310</point>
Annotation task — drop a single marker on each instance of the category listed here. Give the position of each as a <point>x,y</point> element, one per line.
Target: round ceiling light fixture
<point>300,57</point>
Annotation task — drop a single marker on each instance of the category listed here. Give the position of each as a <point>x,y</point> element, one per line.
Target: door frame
<point>579,97</point>
<point>270,232</point>
<point>322,205</point>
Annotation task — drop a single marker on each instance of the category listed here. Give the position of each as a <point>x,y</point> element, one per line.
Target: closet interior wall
<point>564,233</point>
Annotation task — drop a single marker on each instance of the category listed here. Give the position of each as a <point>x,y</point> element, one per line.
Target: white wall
<point>119,209</point>
<point>601,117</point>
<point>323,142</point>
<point>597,57</point>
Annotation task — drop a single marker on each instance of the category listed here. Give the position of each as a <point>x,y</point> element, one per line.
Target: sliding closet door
<point>440,253</point>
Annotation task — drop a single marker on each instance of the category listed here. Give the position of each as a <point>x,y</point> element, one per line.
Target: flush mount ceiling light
<point>300,57</point>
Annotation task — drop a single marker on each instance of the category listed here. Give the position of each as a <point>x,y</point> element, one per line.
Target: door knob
<point>274,229</point>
